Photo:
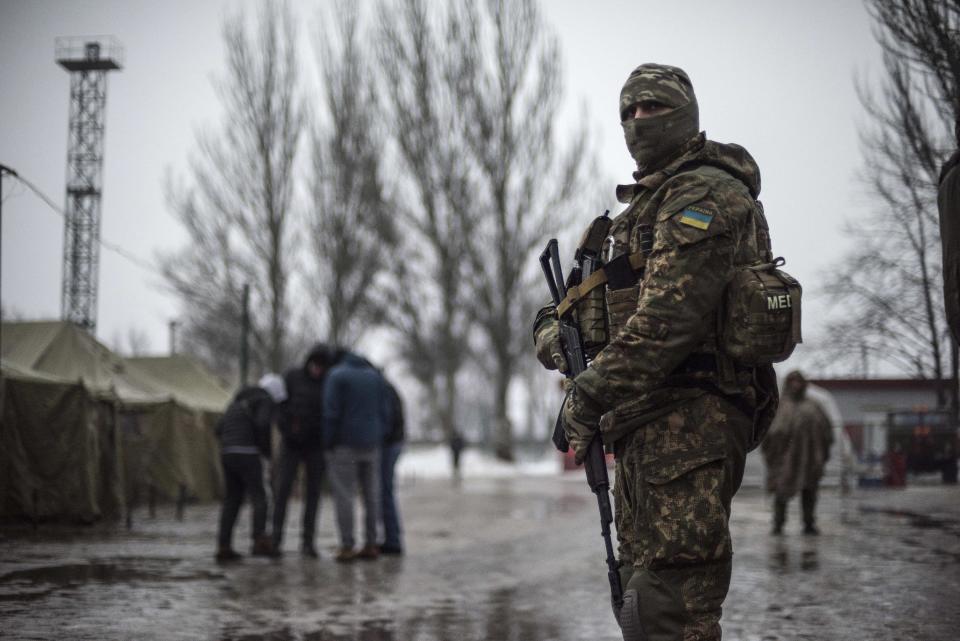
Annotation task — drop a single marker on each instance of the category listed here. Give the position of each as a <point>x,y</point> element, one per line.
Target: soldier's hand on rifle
<point>581,420</point>
<point>549,350</point>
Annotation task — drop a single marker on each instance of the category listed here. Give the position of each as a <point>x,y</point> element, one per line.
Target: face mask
<point>654,141</point>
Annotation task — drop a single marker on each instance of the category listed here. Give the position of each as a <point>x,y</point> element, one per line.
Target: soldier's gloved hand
<point>581,420</point>
<point>549,351</point>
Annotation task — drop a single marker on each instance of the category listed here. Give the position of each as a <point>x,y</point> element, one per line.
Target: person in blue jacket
<point>356,416</point>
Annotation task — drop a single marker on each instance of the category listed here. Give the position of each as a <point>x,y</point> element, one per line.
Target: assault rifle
<point>586,261</point>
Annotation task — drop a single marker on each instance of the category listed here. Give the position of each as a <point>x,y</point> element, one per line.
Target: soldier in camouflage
<point>679,416</point>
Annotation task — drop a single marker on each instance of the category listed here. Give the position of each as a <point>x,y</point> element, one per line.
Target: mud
<point>514,560</point>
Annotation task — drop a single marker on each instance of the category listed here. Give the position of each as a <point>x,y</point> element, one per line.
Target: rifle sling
<point>615,277</point>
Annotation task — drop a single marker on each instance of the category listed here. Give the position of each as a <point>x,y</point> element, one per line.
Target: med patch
<point>696,217</point>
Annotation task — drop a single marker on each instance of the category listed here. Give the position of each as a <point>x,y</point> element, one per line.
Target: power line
<point>117,249</point>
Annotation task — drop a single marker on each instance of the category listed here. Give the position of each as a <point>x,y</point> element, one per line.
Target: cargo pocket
<point>621,305</point>
<point>685,516</point>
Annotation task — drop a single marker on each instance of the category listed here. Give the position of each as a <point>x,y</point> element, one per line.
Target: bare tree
<point>238,203</point>
<point>425,297</point>
<point>890,285</point>
<point>352,228</point>
<point>507,73</point>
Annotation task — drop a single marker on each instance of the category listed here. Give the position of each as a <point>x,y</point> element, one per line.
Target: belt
<point>703,363</point>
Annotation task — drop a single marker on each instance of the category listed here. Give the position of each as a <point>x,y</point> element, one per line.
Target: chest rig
<point>750,330</point>
<point>604,301</point>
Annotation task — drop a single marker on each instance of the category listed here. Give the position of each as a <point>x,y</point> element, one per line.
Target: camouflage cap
<point>662,83</point>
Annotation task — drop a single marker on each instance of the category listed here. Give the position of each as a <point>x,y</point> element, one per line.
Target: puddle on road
<point>916,519</point>
<point>780,559</point>
<point>368,631</point>
<point>499,614</point>
<point>34,583</point>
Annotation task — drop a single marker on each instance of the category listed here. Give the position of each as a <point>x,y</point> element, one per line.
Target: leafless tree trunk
<point>237,205</point>
<point>507,74</point>
<point>888,289</point>
<point>352,229</point>
<point>425,300</point>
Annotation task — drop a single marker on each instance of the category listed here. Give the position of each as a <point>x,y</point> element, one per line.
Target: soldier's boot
<point>652,609</point>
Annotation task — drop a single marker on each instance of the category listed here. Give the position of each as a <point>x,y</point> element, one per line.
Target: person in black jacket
<point>392,446</point>
<point>244,433</point>
<point>301,429</point>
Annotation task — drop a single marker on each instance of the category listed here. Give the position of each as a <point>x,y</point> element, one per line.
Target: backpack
<point>760,313</point>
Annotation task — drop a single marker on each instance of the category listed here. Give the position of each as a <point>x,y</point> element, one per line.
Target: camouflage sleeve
<point>545,315</point>
<point>695,242</point>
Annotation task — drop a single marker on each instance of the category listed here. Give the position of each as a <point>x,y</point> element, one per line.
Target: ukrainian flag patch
<point>696,217</point>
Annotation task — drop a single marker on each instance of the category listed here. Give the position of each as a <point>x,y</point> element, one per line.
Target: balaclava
<point>654,141</point>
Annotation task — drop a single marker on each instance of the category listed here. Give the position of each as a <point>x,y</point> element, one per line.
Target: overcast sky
<point>775,76</point>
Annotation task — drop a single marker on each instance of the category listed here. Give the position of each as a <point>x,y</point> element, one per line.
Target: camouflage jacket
<point>702,210</point>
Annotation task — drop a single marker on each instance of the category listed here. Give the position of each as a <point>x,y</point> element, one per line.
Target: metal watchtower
<point>88,59</point>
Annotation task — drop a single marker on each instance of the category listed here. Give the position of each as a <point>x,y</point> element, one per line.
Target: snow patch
<point>434,461</point>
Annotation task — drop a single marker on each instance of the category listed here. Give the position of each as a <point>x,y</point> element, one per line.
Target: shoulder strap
<point>598,278</point>
<point>763,233</point>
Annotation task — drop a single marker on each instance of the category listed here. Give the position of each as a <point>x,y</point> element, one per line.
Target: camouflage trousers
<point>675,479</point>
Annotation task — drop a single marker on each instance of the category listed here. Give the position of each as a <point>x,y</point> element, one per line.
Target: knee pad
<point>652,609</point>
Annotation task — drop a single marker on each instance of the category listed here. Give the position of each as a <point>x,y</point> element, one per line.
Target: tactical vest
<point>758,320</point>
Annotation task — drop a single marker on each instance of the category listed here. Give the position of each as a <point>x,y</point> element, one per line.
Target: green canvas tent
<point>165,424</point>
<point>188,380</point>
<point>60,450</point>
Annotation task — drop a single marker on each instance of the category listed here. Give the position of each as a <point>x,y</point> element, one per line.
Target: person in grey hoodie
<point>356,416</point>
<point>244,433</point>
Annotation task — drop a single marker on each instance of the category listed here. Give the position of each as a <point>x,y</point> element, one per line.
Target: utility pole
<point>3,170</point>
<point>88,59</point>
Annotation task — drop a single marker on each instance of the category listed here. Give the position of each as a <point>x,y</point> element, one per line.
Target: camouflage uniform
<point>680,443</point>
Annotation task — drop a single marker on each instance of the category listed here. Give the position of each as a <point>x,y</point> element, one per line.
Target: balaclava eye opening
<point>654,141</point>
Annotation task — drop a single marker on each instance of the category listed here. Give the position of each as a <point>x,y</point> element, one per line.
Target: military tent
<point>165,425</point>
<point>60,450</point>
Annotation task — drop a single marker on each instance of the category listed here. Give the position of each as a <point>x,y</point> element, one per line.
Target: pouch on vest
<point>590,311</point>
<point>761,314</point>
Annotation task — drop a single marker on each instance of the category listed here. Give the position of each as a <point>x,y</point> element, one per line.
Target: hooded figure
<point>796,450</point>
<point>244,433</point>
<point>357,414</point>
<point>679,415</point>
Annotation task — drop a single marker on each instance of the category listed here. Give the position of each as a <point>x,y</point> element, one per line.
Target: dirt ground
<point>507,559</point>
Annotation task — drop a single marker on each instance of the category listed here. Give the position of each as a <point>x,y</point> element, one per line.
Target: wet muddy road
<point>516,560</point>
